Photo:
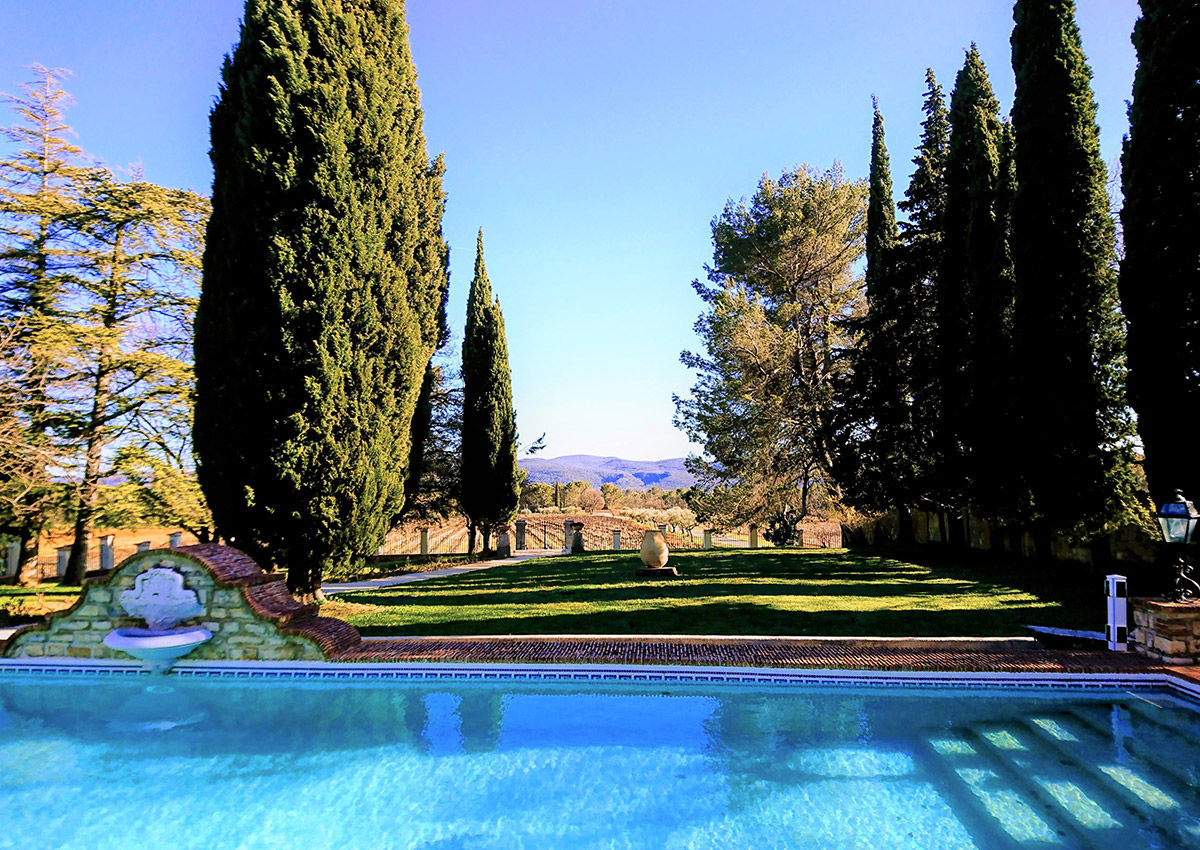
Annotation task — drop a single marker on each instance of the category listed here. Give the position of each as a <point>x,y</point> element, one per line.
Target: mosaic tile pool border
<point>615,674</point>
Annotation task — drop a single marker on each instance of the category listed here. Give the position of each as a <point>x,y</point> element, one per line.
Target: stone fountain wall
<point>250,613</point>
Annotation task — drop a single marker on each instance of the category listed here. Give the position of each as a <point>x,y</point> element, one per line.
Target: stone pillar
<point>424,540</point>
<point>754,537</point>
<point>520,534</point>
<point>13,560</point>
<point>568,535</point>
<point>107,561</point>
<point>616,538</point>
<point>1167,632</point>
<point>64,555</point>
<point>662,526</point>
<point>144,546</point>
<point>176,540</point>
<point>576,538</point>
<point>708,538</point>
<point>800,538</point>
<point>503,547</point>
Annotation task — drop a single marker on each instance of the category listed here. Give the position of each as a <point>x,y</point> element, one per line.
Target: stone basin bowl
<point>158,649</point>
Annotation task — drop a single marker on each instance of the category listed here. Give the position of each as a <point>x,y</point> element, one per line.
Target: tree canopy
<point>323,278</point>
<point>781,282</point>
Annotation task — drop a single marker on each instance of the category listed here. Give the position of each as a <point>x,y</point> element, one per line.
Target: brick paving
<point>738,652</point>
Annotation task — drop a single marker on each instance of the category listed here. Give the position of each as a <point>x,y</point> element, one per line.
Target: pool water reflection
<point>180,764</point>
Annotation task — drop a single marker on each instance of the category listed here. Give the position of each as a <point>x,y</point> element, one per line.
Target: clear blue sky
<point>593,140</point>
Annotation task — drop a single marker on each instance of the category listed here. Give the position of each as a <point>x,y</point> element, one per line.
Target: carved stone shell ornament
<point>159,597</point>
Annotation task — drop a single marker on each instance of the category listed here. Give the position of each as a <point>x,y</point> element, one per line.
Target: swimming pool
<point>98,763</point>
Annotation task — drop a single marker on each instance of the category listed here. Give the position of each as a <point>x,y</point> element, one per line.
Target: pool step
<point>1092,807</point>
<point>1169,753</point>
<point>995,806</point>
<point>1152,795</point>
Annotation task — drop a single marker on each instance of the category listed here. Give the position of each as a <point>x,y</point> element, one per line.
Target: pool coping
<point>1150,678</point>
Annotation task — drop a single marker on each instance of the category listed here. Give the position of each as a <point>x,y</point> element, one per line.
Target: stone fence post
<point>424,540</point>
<point>176,540</point>
<point>520,534</point>
<point>64,556</point>
<point>708,538</point>
<point>754,537</point>
<point>568,535</point>
<point>616,538</point>
<point>13,560</point>
<point>107,562</point>
<point>144,546</point>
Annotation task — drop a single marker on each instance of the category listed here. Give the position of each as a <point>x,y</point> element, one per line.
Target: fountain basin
<point>158,649</point>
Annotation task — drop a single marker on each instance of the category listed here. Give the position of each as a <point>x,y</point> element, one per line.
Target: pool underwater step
<point>1002,814</point>
<point>1159,772</point>
<point>1147,741</point>
<point>1089,805</point>
<point>1152,794</point>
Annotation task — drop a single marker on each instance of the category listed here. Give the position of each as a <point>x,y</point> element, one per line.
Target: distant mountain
<point>626,474</point>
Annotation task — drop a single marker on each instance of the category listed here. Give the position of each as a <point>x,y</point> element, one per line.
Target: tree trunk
<point>28,572</point>
<point>487,537</point>
<point>470,538</point>
<point>904,530</point>
<point>89,488</point>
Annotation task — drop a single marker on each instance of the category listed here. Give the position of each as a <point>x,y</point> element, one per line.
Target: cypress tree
<point>918,266</point>
<point>881,208</point>
<point>1160,272</point>
<point>1068,359</point>
<point>323,274</point>
<point>490,489</point>
<point>967,278</point>
<point>876,395</point>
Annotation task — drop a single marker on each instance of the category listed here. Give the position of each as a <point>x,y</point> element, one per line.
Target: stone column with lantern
<point>1167,628</point>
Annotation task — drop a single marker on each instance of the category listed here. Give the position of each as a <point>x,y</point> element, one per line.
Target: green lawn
<point>769,592</point>
<point>22,604</point>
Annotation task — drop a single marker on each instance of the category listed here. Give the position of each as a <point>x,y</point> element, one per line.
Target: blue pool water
<point>220,765</point>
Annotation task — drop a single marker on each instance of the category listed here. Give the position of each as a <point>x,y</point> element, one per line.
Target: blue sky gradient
<point>593,140</point>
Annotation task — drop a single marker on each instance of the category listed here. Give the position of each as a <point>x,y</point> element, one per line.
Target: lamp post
<point>1177,519</point>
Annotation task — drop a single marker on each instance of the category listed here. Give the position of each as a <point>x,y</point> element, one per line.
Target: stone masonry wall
<point>1166,631</point>
<point>250,613</point>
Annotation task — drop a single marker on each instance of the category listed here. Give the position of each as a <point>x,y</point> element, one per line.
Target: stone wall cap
<point>1159,603</point>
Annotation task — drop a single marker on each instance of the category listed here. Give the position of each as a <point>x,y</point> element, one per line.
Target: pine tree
<point>1160,273</point>
<point>1068,359</point>
<point>133,301</point>
<point>323,275</point>
<point>39,200</point>
<point>971,250</point>
<point>490,488</point>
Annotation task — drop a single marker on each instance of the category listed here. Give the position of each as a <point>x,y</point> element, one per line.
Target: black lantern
<point>1177,519</point>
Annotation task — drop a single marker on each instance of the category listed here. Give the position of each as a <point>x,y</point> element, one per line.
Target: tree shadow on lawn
<point>740,618</point>
<point>693,603</point>
<point>795,573</point>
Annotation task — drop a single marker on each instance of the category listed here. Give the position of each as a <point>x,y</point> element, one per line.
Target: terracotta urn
<point>654,550</point>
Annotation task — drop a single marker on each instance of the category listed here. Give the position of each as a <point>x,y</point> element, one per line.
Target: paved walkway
<point>409,578</point>
<point>792,652</point>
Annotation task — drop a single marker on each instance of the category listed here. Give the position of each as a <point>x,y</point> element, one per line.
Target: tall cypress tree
<point>881,208</point>
<point>1069,364</point>
<point>1160,273</point>
<point>876,397</point>
<point>918,266</point>
<point>323,273</point>
<point>971,250</point>
<point>490,490</point>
